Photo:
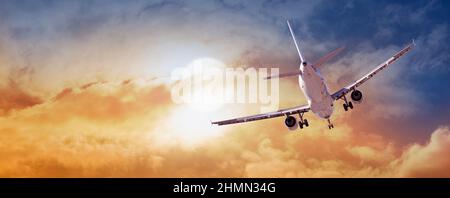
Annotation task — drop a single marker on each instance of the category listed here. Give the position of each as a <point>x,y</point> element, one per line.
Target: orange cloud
<point>14,98</point>
<point>133,130</point>
<point>429,160</point>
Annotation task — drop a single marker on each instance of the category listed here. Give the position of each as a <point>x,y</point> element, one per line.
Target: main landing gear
<point>302,122</point>
<point>347,104</point>
<point>292,123</point>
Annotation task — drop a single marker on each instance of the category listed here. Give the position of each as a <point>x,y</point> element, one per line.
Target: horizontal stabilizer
<point>284,75</point>
<point>327,57</point>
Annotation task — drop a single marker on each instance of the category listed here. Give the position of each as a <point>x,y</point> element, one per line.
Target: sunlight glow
<point>186,127</point>
<point>205,98</point>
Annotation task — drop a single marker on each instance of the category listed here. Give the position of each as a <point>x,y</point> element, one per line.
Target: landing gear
<point>330,125</point>
<point>302,122</point>
<point>347,104</point>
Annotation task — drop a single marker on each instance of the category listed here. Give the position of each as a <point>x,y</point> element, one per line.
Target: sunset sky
<point>85,88</point>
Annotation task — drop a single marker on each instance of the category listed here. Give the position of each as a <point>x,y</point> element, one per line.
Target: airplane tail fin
<point>295,41</point>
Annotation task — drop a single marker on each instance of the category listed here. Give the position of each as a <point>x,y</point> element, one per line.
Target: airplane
<point>313,86</point>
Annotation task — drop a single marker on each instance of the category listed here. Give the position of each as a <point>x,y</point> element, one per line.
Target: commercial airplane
<point>313,85</point>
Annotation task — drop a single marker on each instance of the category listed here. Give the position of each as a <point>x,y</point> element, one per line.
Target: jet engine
<point>357,96</point>
<point>291,123</point>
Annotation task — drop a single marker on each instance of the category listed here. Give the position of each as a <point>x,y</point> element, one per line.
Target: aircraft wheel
<point>345,107</point>
<point>350,104</point>
<point>306,122</point>
<point>300,124</point>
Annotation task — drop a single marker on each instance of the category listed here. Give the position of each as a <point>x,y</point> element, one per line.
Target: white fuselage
<point>316,91</point>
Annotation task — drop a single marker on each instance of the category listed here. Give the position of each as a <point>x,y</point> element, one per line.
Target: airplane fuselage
<point>316,91</point>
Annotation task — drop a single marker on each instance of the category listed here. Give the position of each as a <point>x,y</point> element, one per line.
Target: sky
<point>85,92</point>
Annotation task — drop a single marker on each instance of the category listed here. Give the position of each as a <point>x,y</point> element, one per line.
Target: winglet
<point>414,43</point>
<point>295,41</point>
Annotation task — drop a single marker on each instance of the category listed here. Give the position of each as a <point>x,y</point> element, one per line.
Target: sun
<point>188,124</point>
<point>208,87</point>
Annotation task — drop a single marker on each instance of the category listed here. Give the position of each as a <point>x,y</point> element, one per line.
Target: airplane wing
<point>342,92</point>
<point>282,112</point>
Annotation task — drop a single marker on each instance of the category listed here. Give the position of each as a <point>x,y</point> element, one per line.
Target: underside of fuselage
<point>316,92</point>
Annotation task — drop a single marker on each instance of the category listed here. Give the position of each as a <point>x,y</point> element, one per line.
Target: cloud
<point>78,109</point>
<point>428,55</point>
<point>75,42</point>
<point>94,122</point>
<point>429,160</point>
<point>13,97</point>
<point>132,130</point>
<point>357,159</point>
<point>385,96</point>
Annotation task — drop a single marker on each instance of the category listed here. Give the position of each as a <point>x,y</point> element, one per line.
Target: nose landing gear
<point>330,125</point>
